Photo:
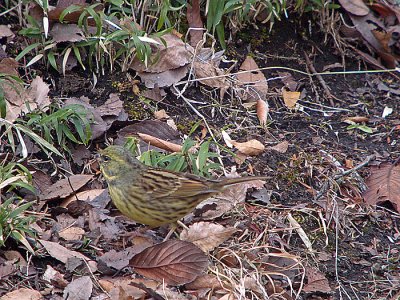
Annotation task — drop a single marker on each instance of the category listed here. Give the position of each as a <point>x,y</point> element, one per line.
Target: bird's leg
<point>170,232</point>
<point>173,227</point>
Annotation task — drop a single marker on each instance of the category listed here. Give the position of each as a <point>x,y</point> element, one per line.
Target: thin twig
<point>342,174</point>
<point>320,79</point>
<point>356,168</point>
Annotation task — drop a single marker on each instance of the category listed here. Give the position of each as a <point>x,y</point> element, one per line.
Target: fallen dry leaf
<point>349,163</point>
<point>166,292</point>
<point>117,260</point>
<point>124,289</point>
<point>383,185</point>
<point>153,128</point>
<point>207,235</point>
<point>175,55</point>
<point>288,81</point>
<point>300,231</point>
<point>205,281</point>
<point>62,254</point>
<point>161,114</point>
<point>66,33</point>
<point>54,277</point>
<point>253,83</point>
<point>164,79</point>
<point>356,119</point>
<point>155,94</point>
<point>102,116</point>
<point>281,263</point>
<point>355,7</point>
<point>6,32</point>
<point>175,262</point>
<point>87,196</point>
<point>71,233</point>
<point>228,296</point>
<point>15,257</point>
<point>317,282</point>
<point>376,36</point>
<point>80,154</point>
<point>228,258</point>
<point>38,91</point>
<point>114,106</point>
<point>227,138</point>
<point>282,147</point>
<point>206,68</point>
<point>290,98</point>
<point>7,269</point>
<point>387,111</point>
<point>172,63</point>
<point>65,187</point>
<point>19,100</point>
<point>22,293</point>
<point>252,147</point>
<point>159,143</point>
<point>79,289</point>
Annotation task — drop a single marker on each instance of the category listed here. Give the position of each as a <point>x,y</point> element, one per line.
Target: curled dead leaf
<point>207,235</point>
<point>290,98</point>
<point>356,119</point>
<point>252,147</point>
<point>162,144</point>
<point>262,111</point>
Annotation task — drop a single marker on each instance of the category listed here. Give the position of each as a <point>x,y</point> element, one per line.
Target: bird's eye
<point>106,158</point>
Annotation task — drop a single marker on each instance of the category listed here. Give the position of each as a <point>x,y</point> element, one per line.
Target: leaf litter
<point>256,252</point>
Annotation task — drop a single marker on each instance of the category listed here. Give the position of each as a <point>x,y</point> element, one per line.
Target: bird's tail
<point>231,181</point>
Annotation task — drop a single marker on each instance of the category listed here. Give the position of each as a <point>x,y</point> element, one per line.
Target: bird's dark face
<point>116,162</point>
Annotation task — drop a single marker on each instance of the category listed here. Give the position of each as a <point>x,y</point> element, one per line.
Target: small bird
<point>154,196</point>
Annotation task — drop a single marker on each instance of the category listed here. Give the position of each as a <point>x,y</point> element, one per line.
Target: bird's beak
<point>98,157</point>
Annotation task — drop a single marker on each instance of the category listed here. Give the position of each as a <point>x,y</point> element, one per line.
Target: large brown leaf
<point>176,262</point>
<point>384,185</point>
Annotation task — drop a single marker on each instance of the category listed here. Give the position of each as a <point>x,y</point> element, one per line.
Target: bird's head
<point>116,161</point>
